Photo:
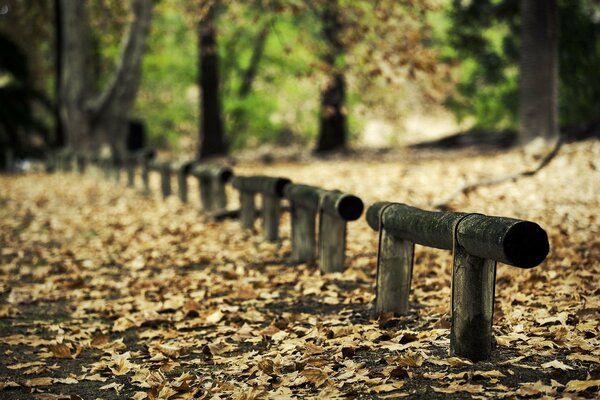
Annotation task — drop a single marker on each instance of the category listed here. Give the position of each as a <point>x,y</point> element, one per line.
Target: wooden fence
<point>476,240</point>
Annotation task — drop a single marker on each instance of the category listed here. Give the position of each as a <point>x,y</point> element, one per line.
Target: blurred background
<point>210,78</point>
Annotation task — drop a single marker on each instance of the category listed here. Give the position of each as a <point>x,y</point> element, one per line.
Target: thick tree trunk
<point>89,119</point>
<point>538,107</point>
<point>75,81</point>
<point>212,137</point>
<point>333,126</point>
<point>111,107</point>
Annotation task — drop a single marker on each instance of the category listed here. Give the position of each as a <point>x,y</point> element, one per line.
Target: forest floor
<point>107,294</point>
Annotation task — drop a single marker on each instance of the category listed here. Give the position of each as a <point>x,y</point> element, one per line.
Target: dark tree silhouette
<point>333,126</point>
<point>538,97</point>
<point>212,136</point>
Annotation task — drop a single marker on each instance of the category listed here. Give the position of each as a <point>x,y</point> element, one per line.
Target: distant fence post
<point>130,162</point>
<point>478,241</point>
<point>271,190</point>
<point>181,171</point>
<point>145,157</point>
<point>211,182</point>
<point>164,169</point>
<point>335,210</point>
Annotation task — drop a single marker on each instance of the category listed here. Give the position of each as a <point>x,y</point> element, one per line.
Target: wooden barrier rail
<point>211,183</point>
<point>334,209</point>
<point>478,242</point>
<point>271,190</point>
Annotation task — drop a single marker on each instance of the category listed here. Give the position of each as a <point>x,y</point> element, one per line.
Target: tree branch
<point>123,86</point>
<point>443,205</point>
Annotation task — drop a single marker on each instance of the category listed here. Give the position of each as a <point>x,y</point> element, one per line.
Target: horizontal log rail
<point>211,182</point>
<point>478,242</point>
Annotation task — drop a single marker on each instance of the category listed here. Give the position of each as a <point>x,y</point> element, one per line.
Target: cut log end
<point>280,185</point>
<point>526,244</point>
<point>350,208</point>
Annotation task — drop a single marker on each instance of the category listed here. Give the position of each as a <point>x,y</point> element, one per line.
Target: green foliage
<point>483,37</point>
<point>167,100</point>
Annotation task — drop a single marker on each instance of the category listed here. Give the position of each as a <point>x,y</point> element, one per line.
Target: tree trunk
<point>538,107</point>
<point>89,119</point>
<point>212,137</point>
<point>59,139</point>
<point>333,126</point>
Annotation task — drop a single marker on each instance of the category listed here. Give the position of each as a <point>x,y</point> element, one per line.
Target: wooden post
<point>336,208</point>
<point>332,240</point>
<point>394,274</point>
<point>130,164</point>
<point>116,165</point>
<point>247,209</point>
<point>165,179</point>
<point>303,234</point>
<point>304,205</point>
<point>206,194</point>
<point>211,182</point>
<point>271,211</point>
<point>478,242</point>
<point>219,196</point>
<point>182,185</point>
<point>271,190</point>
<point>473,283</point>
<point>181,170</point>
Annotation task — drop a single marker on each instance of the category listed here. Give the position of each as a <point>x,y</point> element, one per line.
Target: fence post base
<point>473,284</point>
<point>247,210</point>
<point>303,234</point>
<point>271,210</point>
<point>332,238</point>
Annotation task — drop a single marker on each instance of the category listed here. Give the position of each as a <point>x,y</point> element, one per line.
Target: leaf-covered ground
<point>107,294</point>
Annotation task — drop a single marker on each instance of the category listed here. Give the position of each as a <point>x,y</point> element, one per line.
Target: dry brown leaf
<point>582,386</point>
<point>387,387</point>
<point>61,350</point>
<point>316,376</point>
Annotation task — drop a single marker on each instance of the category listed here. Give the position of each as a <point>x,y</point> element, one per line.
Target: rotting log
<point>335,210</point>
<point>478,242</point>
<point>271,189</point>
<point>211,182</point>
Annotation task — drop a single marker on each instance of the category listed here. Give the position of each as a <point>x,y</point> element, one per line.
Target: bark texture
<point>212,135</point>
<point>333,126</point>
<point>538,106</point>
<point>91,119</point>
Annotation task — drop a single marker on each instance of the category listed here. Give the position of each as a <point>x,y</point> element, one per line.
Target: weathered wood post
<point>116,168</point>
<point>478,242</point>
<point>335,210</point>
<point>304,205</point>
<point>164,169</point>
<point>211,182</point>
<point>130,162</point>
<point>144,158</point>
<point>271,190</point>
<point>182,170</point>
